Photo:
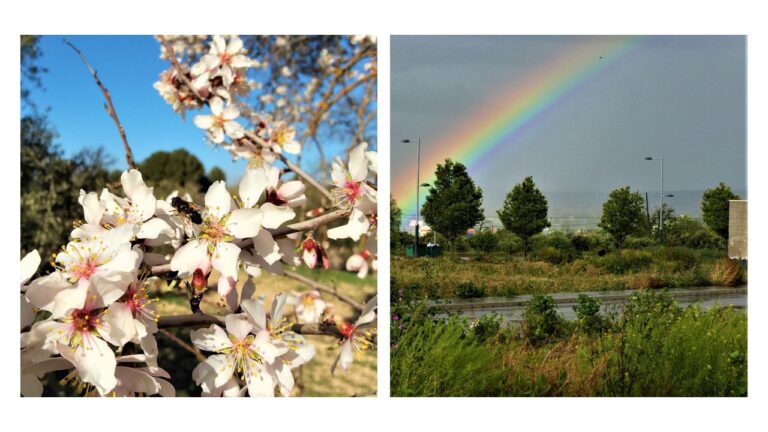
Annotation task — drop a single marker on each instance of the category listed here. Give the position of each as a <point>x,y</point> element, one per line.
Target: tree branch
<point>191,348</point>
<point>109,107</point>
<point>202,320</point>
<point>320,287</point>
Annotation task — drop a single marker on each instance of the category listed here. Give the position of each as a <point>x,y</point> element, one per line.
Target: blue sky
<point>128,66</point>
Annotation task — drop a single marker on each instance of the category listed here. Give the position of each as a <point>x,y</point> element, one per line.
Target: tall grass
<point>653,348</point>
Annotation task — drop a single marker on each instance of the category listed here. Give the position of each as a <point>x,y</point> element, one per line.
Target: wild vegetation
<point>651,347</point>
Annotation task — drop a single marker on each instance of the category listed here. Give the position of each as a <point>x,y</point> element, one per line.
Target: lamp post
<point>418,183</point>
<point>661,197</point>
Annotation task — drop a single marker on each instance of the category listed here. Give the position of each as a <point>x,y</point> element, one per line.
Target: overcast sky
<point>680,97</point>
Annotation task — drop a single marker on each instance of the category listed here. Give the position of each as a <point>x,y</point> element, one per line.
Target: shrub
<point>587,311</point>
<point>486,327</point>
<point>633,242</point>
<point>555,248</point>
<point>509,242</point>
<point>689,232</point>
<point>541,321</point>
<point>625,261</point>
<point>469,290</point>
<point>725,272</point>
<point>484,241</point>
<point>664,350</point>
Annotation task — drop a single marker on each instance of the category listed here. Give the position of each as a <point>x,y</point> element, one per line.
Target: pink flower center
<point>85,268</point>
<point>225,58</point>
<point>352,191</point>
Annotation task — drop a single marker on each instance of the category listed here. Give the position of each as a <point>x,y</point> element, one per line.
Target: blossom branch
<point>320,287</point>
<point>255,139</point>
<point>109,107</point>
<point>258,141</point>
<point>201,320</point>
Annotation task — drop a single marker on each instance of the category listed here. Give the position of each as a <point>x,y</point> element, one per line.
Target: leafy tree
<point>714,208</point>
<point>49,185</point>
<point>525,211</point>
<point>176,170</point>
<point>395,219</point>
<point>454,204</point>
<point>216,174</point>
<point>30,70</point>
<point>622,214</point>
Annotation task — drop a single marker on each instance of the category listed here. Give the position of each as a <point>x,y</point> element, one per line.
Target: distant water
<point>581,210</point>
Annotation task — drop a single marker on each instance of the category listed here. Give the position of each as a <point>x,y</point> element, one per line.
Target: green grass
<point>507,275</point>
<point>655,348</point>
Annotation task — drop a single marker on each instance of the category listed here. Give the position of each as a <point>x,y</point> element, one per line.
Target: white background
<point>384,18</point>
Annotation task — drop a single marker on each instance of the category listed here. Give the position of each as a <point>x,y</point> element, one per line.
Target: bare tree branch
<point>109,107</point>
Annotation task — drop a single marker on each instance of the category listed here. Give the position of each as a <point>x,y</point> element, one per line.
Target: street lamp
<point>661,197</point>
<point>418,183</point>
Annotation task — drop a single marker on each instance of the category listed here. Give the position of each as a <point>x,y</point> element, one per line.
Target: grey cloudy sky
<point>682,97</point>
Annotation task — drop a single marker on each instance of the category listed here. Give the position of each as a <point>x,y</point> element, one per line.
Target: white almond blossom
<point>357,338</point>
<point>309,306</point>
<point>82,336</point>
<point>221,122</point>
<point>221,226</point>
<point>104,265</point>
<point>352,190</point>
<point>283,138</point>
<point>359,263</point>
<point>29,265</point>
<point>240,354</point>
<point>296,350</point>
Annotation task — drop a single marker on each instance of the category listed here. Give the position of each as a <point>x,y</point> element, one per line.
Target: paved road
<point>511,309</point>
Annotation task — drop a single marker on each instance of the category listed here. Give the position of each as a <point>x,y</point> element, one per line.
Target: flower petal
<point>267,247</point>
<point>190,257</point>
<point>274,216</point>
<point>252,186</point>
<point>358,163</point>
<point>213,338</point>
<point>245,222</point>
<point>218,200</point>
<point>29,265</point>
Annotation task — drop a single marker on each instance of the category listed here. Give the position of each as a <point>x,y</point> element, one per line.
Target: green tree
<point>525,211</point>
<point>177,170</point>
<point>216,174</point>
<point>395,219</point>
<point>484,241</point>
<point>714,208</point>
<point>454,204</point>
<point>622,214</point>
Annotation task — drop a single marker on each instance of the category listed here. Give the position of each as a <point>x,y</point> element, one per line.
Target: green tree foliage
<point>30,70</point>
<point>714,208</point>
<point>50,185</point>
<point>484,241</point>
<point>689,232</point>
<point>622,214</point>
<point>395,219</point>
<point>525,211</point>
<point>216,174</point>
<point>454,204</point>
<point>177,170</point>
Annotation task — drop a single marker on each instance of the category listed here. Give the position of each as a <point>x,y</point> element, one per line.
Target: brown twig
<point>109,107</point>
<point>191,348</point>
<point>320,287</point>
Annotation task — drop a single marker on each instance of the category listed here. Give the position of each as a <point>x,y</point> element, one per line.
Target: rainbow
<point>518,107</point>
